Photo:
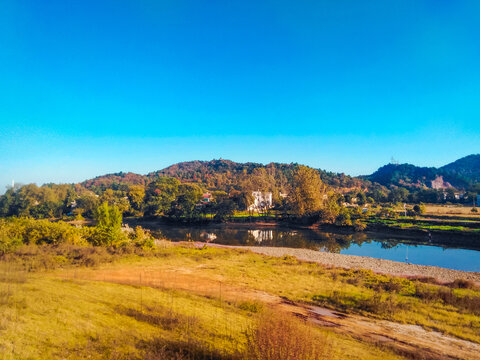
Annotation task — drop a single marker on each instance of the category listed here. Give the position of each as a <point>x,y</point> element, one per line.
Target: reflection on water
<point>260,236</point>
<point>363,244</point>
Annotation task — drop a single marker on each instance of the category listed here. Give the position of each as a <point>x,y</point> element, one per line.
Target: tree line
<point>298,192</point>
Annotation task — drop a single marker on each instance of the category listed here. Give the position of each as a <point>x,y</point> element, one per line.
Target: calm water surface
<point>414,250</point>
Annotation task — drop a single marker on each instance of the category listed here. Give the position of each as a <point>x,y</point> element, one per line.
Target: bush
<point>474,210</point>
<point>8,244</point>
<point>251,306</point>
<point>343,219</point>
<point>142,238</point>
<point>281,336</point>
<point>419,209</point>
<point>359,226</point>
<point>17,231</point>
<point>411,213</point>
<point>463,284</point>
<point>381,304</point>
<point>388,213</point>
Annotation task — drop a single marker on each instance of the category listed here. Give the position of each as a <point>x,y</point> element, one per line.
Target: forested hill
<point>460,174</point>
<point>224,175</point>
<point>227,175</point>
<point>467,168</point>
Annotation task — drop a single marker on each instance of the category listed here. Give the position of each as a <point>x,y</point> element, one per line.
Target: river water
<point>416,250</point>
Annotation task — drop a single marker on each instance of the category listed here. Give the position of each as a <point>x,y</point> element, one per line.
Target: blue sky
<point>93,87</point>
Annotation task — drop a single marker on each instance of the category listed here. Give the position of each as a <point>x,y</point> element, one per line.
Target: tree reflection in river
<point>283,237</point>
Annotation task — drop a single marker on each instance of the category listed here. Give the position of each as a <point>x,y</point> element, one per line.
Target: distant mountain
<point>405,175</point>
<point>466,169</point>
<point>459,174</point>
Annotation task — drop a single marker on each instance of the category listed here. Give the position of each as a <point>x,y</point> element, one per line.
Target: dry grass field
<point>451,210</point>
<point>183,302</point>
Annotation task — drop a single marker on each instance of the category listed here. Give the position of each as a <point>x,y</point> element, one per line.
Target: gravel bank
<point>377,265</point>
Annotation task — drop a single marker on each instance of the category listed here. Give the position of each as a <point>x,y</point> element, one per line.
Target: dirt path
<point>407,340</point>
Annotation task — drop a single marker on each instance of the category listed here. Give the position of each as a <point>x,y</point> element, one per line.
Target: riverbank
<point>352,261</point>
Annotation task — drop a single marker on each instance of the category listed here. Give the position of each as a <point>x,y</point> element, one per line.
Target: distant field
<point>452,210</point>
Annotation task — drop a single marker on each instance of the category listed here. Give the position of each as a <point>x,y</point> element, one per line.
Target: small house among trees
<point>206,198</point>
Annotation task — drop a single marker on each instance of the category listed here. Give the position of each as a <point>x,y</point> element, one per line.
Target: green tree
<point>185,205</point>
<point>108,230</point>
<point>160,194</point>
<point>6,203</point>
<point>398,195</point>
<point>224,210</point>
<point>87,204</point>
<point>450,195</point>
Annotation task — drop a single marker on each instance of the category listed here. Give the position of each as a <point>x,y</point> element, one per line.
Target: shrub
<point>381,303</point>
<point>281,336</point>
<point>251,306</point>
<point>17,231</point>
<point>474,210</point>
<point>8,244</point>
<point>359,226</point>
<point>142,238</point>
<point>419,209</point>
<point>343,219</point>
<point>463,284</point>
<point>411,212</point>
<point>388,213</point>
<point>448,296</point>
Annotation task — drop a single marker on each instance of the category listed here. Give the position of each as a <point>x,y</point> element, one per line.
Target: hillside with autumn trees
<point>176,191</point>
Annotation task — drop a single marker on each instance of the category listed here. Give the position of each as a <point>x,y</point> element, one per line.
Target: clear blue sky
<point>92,87</point>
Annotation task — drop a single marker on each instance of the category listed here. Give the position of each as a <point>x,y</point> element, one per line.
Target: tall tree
<point>307,192</point>
<point>185,205</point>
<point>109,225</point>
<point>136,195</point>
<point>160,194</point>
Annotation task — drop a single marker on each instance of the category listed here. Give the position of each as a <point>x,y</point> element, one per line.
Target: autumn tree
<point>136,195</point>
<point>307,192</point>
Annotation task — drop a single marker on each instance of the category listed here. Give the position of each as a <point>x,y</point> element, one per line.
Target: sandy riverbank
<point>353,261</point>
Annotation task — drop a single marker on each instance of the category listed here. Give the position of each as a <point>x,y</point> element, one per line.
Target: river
<point>416,250</point>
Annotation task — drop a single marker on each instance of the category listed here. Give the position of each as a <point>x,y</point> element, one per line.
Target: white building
<point>262,201</point>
